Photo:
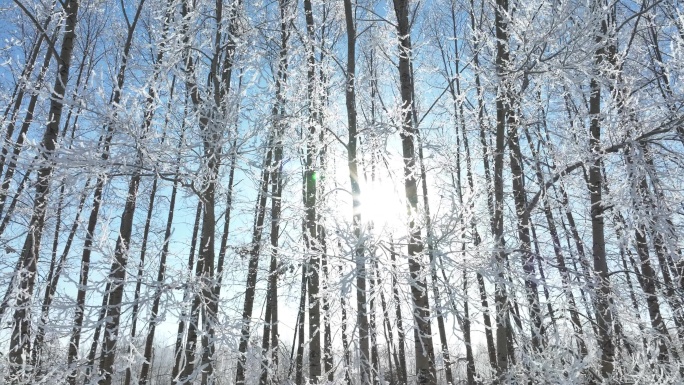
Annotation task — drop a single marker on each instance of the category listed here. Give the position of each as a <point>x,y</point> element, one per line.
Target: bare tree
<point>20,340</point>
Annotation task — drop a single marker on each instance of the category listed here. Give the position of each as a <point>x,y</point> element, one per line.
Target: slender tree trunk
<point>54,275</point>
<point>271,336</point>
<point>387,327</point>
<point>180,348</point>
<point>139,278</point>
<point>489,337</point>
<point>75,338</point>
<point>212,114</point>
<point>425,368</point>
<point>503,332</point>
<point>161,276</point>
<point>311,238</point>
<point>372,329</point>
<point>28,119</point>
<point>520,199</point>
<point>352,165</point>
<point>56,267</point>
<point>446,357</point>
<point>117,274</point>
<point>649,287</point>
<point>456,94</point>
<point>455,90</point>
<point>20,339</point>
<point>345,340</point>
<point>560,258</point>
<point>299,337</point>
<point>323,98</point>
<point>403,371</point>
<point>17,97</point>
<point>254,253</point>
<point>604,313</point>
<point>117,278</point>
<point>143,246</point>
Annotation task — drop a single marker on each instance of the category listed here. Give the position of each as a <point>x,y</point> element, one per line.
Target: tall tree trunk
<point>323,101</point>
<point>299,333</point>
<point>117,274</point>
<point>20,339</point>
<point>56,266</point>
<point>604,313</point>
<point>352,165</point>
<point>143,246</point>
<point>446,357</point>
<point>403,371</point>
<point>74,341</point>
<point>212,114</point>
<point>55,273</point>
<point>139,278</point>
<point>491,349</point>
<point>311,238</point>
<point>254,252</point>
<point>117,278</point>
<point>17,97</point>
<point>387,327</point>
<point>425,368</point>
<point>519,194</point>
<point>455,91</point>
<point>503,332</point>
<point>271,336</point>
<point>557,248</point>
<point>28,119</point>
<point>161,276</point>
<point>345,341</point>
<point>185,318</point>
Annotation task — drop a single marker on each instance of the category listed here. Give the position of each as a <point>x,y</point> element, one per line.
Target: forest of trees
<point>347,192</point>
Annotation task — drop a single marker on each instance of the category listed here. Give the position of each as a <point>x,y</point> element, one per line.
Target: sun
<point>382,205</point>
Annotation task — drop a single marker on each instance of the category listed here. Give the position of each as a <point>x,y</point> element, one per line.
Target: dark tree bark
<point>271,338</point>
<point>19,90</point>
<point>116,281</point>
<point>212,114</point>
<point>311,236</point>
<point>55,273</point>
<point>425,368</point>
<point>20,339</point>
<point>503,331</point>
<point>558,251</point>
<point>345,340</point>
<point>446,357</point>
<point>352,165</point>
<point>146,232</point>
<point>489,336</point>
<point>604,313</point>
<point>74,341</point>
<point>185,318</point>
<point>403,371</point>
<point>161,276</point>
<point>254,253</point>
<point>28,119</point>
<point>519,194</point>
